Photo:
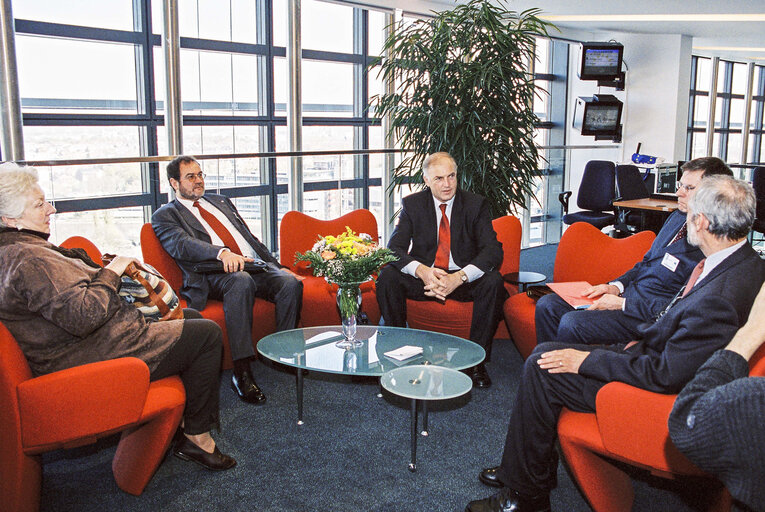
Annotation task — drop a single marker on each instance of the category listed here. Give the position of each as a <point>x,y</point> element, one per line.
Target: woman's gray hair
<point>16,183</point>
<point>728,204</point>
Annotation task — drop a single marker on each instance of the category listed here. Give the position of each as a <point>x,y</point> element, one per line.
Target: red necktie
<point>680,234</point>
<point>698,269</point>
<point>220,230</point>
<point>444,241</point>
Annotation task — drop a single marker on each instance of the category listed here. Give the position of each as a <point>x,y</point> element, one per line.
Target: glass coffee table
<point>313,348</point>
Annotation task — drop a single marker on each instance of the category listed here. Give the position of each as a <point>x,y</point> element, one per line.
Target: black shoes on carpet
<point>479,376</point>
<point>508,500</point>
<point>489,477</point>
<point>245,387</point>
<point>215,461</point>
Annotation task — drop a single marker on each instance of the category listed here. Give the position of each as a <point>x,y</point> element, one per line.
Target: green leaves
<point>463,86</point>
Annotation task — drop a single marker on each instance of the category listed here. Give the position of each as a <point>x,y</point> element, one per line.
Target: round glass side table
<point>421,383</point>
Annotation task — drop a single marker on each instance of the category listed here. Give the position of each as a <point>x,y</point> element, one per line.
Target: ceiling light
<point>655,17</point>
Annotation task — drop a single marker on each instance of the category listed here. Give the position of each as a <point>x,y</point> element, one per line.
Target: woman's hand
<point>120,263</point>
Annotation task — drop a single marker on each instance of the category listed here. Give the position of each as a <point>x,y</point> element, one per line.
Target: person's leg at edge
<point>393,288</point>
<point>547,316</point>
<point>196,358</point>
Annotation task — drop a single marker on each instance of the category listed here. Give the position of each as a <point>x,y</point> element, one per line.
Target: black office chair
<point>629,185</point>
<point>758,182</point>
<point>595,197</point>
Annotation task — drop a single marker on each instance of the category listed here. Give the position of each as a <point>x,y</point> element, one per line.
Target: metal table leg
<point>299,378</point>
<point>413,421</point>
<point>424,418</point>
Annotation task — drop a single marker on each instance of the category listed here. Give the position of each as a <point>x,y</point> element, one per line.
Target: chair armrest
<point>563,197</point>
<point>633,425</point>
<point>81,402</point>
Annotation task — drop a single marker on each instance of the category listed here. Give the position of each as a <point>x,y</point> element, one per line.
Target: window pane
<point>115,231</point>
<point>327,89</point>
<point>700,111</point>
<point>331,167</point>
<point>224,173</point>
<point>737,112</point>
<point>702,74</point>
<point>252,210</point>
<point>734,148</point>
<point>70,142</point>
<point>699,148</point>
<point>739,78</point>
<point>326,26</point>
<point>280,86</point>
<point>280,23</point>
<point>721,75</point>
<point>215,83</point>
<point>56,74</point>
<point>542,53</point>
<point>324,204</point>
<point>233,20</point>
<point>116,14</point>
<point>376,32</point>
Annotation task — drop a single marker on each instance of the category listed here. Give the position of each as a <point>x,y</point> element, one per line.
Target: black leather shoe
<point>508,500</point>
<point>245,387</point>
<point>480,376</point>
<point>489,477</point>
<point>214,461</point>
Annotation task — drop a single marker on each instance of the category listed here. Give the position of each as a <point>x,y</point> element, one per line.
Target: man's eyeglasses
<point>687,188</point>
<point>194,177</point>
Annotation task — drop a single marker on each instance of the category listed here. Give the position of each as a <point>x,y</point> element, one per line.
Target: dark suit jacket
<point>184,238</point>
<point>649,286</point>
<point>473,239</point>
<point>678,343</point>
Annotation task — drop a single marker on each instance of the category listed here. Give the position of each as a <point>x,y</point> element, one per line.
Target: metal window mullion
<point>725,114</point>
<point>360,196</point>
<point>758,117</point>
<point>747,111</point>
<point>389,161</point>
<point>712,104</point>
<point>294,102</point>
<point>12,146</point>
<point>171,41</point>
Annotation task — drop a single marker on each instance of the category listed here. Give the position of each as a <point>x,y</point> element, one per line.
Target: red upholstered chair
<point>453,317</point>
<point>584,254</point>
<point>297,233</point>
<point>74,407</point>
<point>264,320</point>
<point>80,242</point>
<point>629,425</point>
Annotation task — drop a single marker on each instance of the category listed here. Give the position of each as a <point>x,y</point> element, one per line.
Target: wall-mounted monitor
<point>599,115</point>
<point>601,61</point>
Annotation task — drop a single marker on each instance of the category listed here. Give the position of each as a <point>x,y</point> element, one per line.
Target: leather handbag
<point>146,289</point>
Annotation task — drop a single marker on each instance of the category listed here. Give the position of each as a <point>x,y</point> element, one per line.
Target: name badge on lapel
<point>670,262</point>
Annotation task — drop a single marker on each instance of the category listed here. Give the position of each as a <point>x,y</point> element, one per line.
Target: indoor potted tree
<point>463,85</point>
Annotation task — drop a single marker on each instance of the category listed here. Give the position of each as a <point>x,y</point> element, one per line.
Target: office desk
<point>647,206</point>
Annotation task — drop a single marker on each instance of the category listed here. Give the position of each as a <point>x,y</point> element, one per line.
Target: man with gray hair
<point>702,318</point>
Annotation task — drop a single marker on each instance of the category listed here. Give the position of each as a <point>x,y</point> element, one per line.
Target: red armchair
<point>71,408</point>
<point>80,242</point>
<point>629,425</point>
<point>297,233</point>
<point>263,311</point>
<point>454,317</point>
<point>584,254</point>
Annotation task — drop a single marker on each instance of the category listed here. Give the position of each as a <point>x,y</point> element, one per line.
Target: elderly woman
<point>64,311</point>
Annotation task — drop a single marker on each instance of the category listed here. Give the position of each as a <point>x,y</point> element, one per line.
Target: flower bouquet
<point>347,260</point>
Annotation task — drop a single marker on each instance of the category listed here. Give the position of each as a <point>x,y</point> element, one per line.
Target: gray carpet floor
<point>350,455</point>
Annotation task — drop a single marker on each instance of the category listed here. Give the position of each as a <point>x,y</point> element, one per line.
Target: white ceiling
<point>747,31</point>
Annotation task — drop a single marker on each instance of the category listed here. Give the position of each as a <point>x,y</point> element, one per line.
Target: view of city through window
<point>92,86</point>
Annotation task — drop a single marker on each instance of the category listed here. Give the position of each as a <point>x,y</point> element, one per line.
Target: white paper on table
<point>404,352</point>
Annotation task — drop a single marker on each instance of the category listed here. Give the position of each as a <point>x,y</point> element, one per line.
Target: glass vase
<point>349,303</point>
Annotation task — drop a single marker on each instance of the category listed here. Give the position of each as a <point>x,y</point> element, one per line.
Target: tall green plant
<point>463,85</point>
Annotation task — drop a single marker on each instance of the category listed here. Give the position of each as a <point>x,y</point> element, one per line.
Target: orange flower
<point>328,255</point>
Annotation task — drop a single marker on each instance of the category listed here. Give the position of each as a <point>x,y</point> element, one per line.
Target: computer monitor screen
<point>602,61</point>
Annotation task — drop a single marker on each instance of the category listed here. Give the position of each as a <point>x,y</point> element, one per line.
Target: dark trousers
<point>238,290</point>
<point>487,294</point>
<point>196,357</point>
<point>530,461</point>
<point>557,321</point>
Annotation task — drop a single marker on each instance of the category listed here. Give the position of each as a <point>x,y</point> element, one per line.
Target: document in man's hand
<point>571,292</point>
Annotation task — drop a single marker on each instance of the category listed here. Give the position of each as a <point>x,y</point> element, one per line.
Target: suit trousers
<point>487,294</point>
<point>529,461</point>
<point>196,357</point>
<point>556,320</point>
<point>238,290</point>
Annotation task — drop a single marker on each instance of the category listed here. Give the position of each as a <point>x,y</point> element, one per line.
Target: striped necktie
<point>220,230</point>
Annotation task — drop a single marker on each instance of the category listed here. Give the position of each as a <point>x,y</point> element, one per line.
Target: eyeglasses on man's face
<point>687,188</point>
<point>194,177</point>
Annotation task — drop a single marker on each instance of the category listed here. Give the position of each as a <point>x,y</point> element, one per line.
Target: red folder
<point>571,292</point>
